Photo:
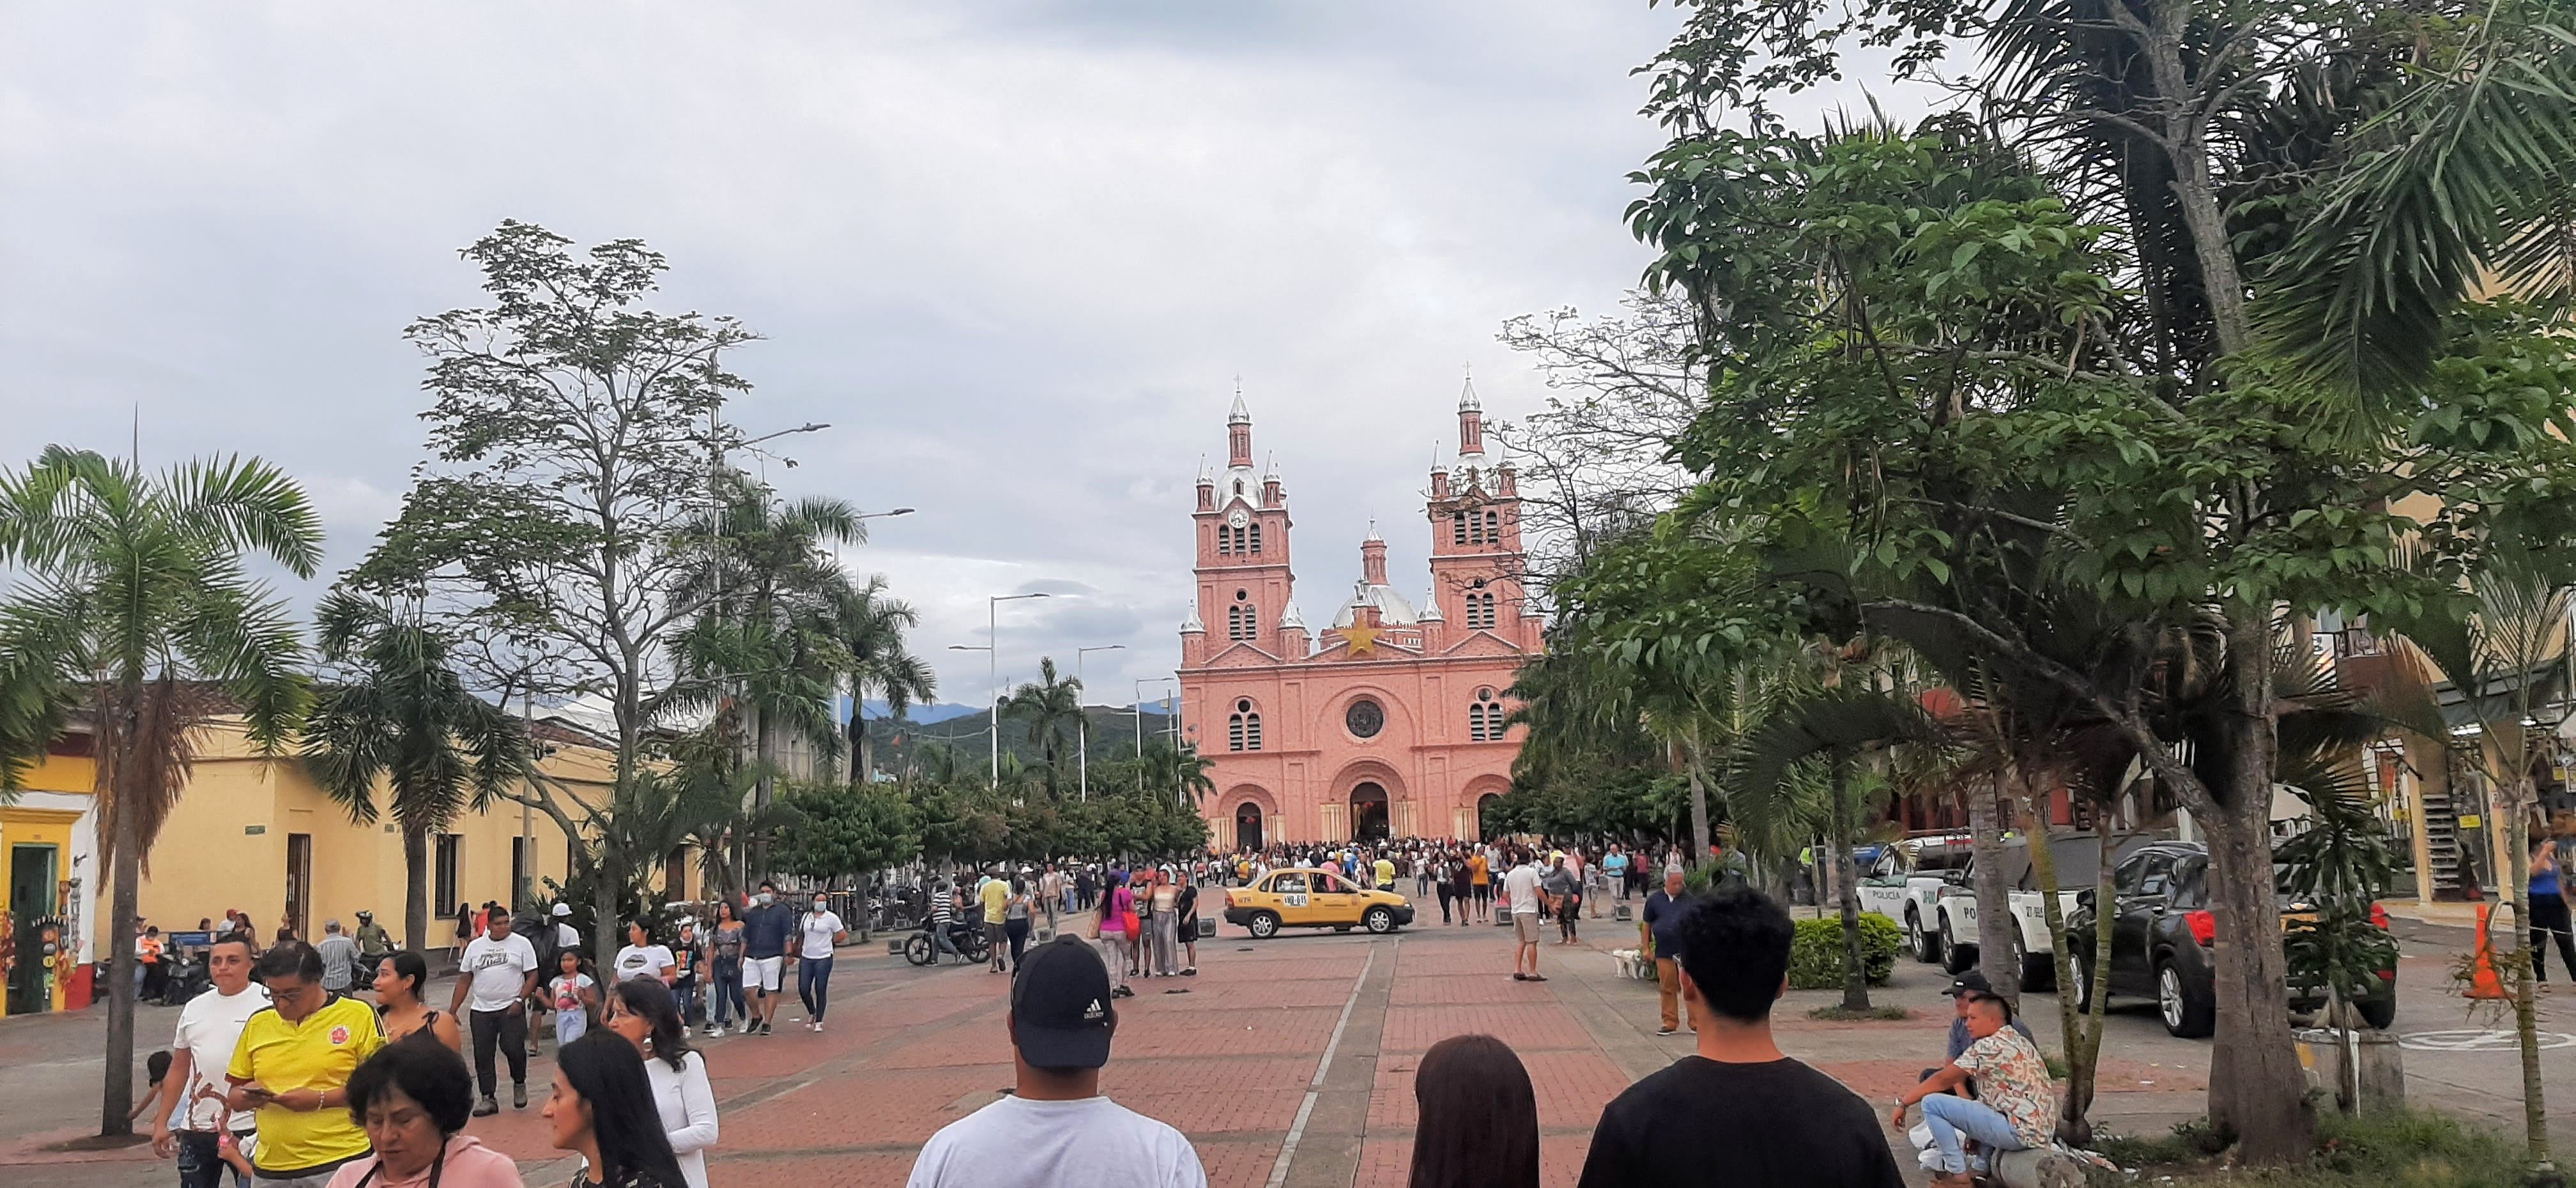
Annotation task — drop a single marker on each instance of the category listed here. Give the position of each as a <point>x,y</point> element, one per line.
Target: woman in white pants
<point>1167,936</point>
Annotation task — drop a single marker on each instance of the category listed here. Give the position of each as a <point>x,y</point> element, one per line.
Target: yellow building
<point>259,835</point>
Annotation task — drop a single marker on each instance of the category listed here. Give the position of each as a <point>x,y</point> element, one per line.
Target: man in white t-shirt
<point>1521,886</point>
<point>499,970</point>
<point>210,1027</point>
<point>566,936</point>
<point>1056,1130</point>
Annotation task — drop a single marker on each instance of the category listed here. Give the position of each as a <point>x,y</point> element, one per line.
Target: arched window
<point>1493,528</point>
<point>1224,540</point>
<point>1480,611</point>
<point>1242,620</point>
<point>1485,718</point>
<point>1458,527</point>
<point>1243,727</point>
<point>1255,545</point>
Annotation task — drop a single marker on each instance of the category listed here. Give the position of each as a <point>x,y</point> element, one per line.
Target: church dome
<point>1392,609</point>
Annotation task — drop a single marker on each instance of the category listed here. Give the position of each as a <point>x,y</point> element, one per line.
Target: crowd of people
<point>281,1075</point>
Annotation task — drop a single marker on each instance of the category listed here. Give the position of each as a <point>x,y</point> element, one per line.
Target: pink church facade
<point>1389,721</point>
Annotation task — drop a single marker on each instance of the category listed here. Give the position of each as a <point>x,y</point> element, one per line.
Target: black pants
<point>510,1030</point>
<point>200,1166</point>
<point>1018,933</point>
<point>1444,903</point>
<point>2548,919</point>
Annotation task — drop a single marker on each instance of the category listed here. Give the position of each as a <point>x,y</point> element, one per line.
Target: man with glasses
<point>292,1069</point>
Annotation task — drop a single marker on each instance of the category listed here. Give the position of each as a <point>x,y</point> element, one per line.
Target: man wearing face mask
<point>765,929</point>
<point>816,933</point>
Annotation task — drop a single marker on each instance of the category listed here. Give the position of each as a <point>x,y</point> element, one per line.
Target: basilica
<point>1391,720</point>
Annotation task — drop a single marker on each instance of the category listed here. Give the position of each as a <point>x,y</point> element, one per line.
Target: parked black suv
<point>2160,940</point>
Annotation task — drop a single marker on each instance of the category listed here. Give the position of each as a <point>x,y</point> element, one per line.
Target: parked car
<point>1906,881</point>
<point>2077,857</point>
<point>2161,936</point>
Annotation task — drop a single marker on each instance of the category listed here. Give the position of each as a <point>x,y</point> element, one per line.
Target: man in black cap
<point>1963,992</point>
<point>1055,1130</point>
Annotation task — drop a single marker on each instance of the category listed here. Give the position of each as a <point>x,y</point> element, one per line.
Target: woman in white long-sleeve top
<point>644,1013</point>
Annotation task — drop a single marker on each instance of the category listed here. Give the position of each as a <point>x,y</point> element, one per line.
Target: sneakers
<point>764,1028</point>
<point>518,1095</point>
<point>684,1031</point>
<point>486,1108</point>
<point>716,1032</point>
<point>1663,1031</point>
<point>818,1025</point>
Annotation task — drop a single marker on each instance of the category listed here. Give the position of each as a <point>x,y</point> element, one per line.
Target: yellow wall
<point>209,859</point>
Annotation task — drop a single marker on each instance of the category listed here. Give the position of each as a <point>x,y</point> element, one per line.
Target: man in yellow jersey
<point>995,896</point>
<point>292,1067</point>
<point>1383,871</point>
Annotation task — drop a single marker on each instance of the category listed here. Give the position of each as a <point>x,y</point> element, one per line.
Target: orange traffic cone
<point>2483,982</point>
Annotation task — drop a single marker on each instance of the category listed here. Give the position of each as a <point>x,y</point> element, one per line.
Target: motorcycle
<point>968,938</point>
<point>184,978</point>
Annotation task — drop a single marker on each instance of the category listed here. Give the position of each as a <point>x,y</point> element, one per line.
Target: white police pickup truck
<point>1954,914</point>
<point>1905,884</point>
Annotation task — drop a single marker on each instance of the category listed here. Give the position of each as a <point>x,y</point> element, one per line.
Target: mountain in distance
<point>937,711</point>
<point>1113,733</point>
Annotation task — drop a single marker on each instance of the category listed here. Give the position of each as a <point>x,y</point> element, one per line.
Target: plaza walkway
<point>1288,1062</point>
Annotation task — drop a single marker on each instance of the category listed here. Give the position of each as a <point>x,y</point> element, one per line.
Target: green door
<point>31,900</point>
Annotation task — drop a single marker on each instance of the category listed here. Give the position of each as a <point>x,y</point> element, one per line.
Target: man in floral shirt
<point>2019,1109</point>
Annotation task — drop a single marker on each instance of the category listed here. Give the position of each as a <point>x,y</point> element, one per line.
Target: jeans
<point>684,995</point>
<point>1954,1118</point>
<point>727,992</point>
<point>510,1030</point>
<point>200,1164</point>
<point>1018,932</point>
<point>814,985</point>
<point>942,942</point>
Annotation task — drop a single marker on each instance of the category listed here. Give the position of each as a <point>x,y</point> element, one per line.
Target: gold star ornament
<point>1361,636</point>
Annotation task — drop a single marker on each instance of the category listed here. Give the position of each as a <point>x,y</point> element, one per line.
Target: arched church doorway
<point>1247,826</point>
<point>1368,812</point>
<point>1485,815</point>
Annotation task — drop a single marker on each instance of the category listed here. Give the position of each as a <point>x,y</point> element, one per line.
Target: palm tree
<point>870,629</point>
<point>1052,706</point>
<point>135,608</point>
<point>1834,727</point>
<point>1182,770</point>
<point>2507,657</point>
<point>404,717</point>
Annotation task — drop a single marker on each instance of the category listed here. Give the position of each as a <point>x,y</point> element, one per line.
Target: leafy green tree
<point>844,832</point>
<point>552,532</point>
<point>401,716</point>
<point>2308,190</point>
<point>132,605</point>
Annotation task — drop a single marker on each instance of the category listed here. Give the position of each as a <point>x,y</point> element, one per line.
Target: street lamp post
<point>993,669</point>
<point>1082,723</point>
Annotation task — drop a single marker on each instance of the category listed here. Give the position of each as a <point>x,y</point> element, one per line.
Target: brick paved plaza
<point>1343,1019</point>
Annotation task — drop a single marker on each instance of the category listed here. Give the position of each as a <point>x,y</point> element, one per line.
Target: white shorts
<point>761,973</point>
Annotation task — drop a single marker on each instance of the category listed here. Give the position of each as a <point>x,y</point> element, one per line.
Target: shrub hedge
<point>1816,955</point>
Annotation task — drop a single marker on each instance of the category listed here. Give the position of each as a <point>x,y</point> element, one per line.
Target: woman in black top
<point>602,1108</point>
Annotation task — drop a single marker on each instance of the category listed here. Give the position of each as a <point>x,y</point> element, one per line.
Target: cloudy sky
<point>1015,253</point>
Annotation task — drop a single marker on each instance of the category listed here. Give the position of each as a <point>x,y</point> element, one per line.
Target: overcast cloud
<point>1015,253</point>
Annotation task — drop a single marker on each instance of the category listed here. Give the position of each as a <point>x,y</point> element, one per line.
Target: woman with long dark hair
<point>644,1013</point>
<point>400,978</point>
<point>1478,1124</point>
<point>602,1109</point>
<point>1015,919</point>
<point>724,967</point>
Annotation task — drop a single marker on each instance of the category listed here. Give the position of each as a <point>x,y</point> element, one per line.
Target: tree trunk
<point>764,751</point>
<point>416,886</point>
<point>116,1101</point>
<point>1996,929</point>
<point>1855,962</point>
<point>2257,1091</point>
<point>1698,803</point>
<point>2515,818</point>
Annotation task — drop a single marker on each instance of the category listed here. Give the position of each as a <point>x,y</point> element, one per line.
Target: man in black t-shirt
<point>1738,1113</point>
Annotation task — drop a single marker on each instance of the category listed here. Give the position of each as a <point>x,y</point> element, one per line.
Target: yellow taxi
<point>1308,898</point>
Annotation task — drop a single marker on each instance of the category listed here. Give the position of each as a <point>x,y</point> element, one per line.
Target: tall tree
<point>573,439</point>
<point>400,715</point>
<point>870,626</point>
<point>134,608</point>
<point>1052,707</point>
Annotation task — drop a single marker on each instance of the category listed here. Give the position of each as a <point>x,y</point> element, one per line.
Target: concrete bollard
<point>2037,1169</point>
<point>2383,1068</point>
